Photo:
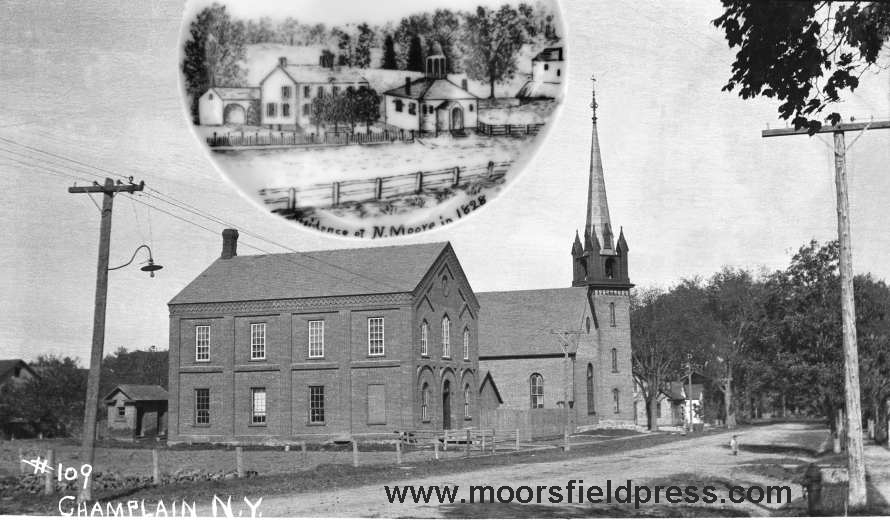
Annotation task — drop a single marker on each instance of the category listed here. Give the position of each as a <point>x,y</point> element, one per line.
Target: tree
<point>319,110</point>
<point>446,31</point>
<point>344,44</point>
<point>133,367</point>
<point>493,40</point>
<point>389,54</point>
<point>364,43</point>
<point>805,54</point>
<point>415,55</point>
<point>365,105</point>
<point>213,53</point>
<point>51,404</point>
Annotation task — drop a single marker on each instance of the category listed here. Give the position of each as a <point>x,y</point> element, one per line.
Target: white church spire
<point>598,222</point>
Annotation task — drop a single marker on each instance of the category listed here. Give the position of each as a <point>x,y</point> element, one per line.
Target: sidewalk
<point>877,468</point>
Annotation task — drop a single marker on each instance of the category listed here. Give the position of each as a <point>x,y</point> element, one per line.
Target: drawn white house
<point>548,69</point>
<point>226,105</point>
<point>432,103</point>
<point>287,91</point>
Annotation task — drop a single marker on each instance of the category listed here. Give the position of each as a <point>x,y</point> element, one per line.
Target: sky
<point>689,178</point>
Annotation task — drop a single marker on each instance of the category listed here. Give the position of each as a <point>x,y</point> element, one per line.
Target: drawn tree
<point>493,39</point>
<point>318,111</point>
<point>415,55</point>
<point>805,54</point>
<point>364,43</point>
<point>446,31</point>
<point>344,44</point>
<point>389,54</point>
<point>367,106</point>
<point>213,53</point>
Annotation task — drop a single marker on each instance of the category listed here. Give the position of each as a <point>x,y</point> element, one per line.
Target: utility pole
<point>689,394</point>
<point>565,342</point>
<point>109,189</point>
<point>857,492</point>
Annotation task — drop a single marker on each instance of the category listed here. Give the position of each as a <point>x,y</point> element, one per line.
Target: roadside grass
<point>337,476</point>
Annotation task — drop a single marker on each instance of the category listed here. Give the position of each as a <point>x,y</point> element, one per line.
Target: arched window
<point>445,285</point>
<point>591,402</point>
<point>610,268</point>
<point>425,403</point>
<point>467,401</point>
<point>424,339</point>
<point>614,360</point>
<point>615,399</point>
<point>446,337</point>
<point>466,344</point>
<point>612,314</point>
<point>537,391</point>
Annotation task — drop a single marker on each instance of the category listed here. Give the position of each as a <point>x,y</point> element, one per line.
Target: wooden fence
<point>294,139</point>
<point>509,129</point>
<point>328,195</point>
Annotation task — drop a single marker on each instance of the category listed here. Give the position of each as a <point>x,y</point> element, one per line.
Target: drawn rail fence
<point>293,139</point>
<point>327,195</point>
<point>509,129</point>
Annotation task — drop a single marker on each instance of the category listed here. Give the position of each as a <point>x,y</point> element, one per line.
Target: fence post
<point>214,142</point>
<point>436,448</point>
<point>398,452</point>
<point>509,129</point>
<point>21,460</point>
<point>378,188</point>
<point>483,441</point>
<point>494,441</point>
<point>467,450</point>
<point>528,129</point>
<point>517,439</point>
<point>455,176</point>
<point>335,193</point>
<point>292,199</point>
<point>418,182</point>
<point>155,467</point>
<point>565,438</point>
<point>48,488</point>
<point>491,169</point>
<point>239,461</point>
<point>354,453</point>
<point>444,446</point>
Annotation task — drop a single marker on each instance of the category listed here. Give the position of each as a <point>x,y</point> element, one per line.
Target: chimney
<point>282,61</point>
<point>463,84</point>
<point>230,244</point>
<point>408,85</point>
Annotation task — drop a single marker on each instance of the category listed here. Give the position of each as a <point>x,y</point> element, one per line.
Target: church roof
<point>520,322</point>
<point>432,89</point>
<point>357,271</point>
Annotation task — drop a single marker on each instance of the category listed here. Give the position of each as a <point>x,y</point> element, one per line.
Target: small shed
<point>136,411</point>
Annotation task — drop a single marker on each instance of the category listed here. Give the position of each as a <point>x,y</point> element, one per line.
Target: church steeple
<point>600,264</point>
<point>597,202</point>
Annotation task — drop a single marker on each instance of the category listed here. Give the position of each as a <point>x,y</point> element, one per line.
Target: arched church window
<point>446,337</point>
<point>610,268</point>
<point>614,360</point>
<point>467,401</point>
<point>616,400</point>
<point>591,402</point>
<point>424,339</point>
<point>537,391</point>
<point>425,403</point>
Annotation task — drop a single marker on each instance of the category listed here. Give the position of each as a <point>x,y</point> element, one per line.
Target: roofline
<point>494,386</point>
<point>525,356</point>
<point>421,96</point>
<point>407,293</point>
<point>446,249</point>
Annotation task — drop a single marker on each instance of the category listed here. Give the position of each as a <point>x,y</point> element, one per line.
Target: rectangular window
<point>316,339</point>
<point>285,92</point>
<point>424,339</point>
<point>316,404</point>
<point>320,91</point>
<point>306,109</point>
<point>258,341</point>
<point>270,110</point>
<point>202,406</point>
<point>307,91</point>
<point>375,337</point>
<point>412,109</point>
<point>612,314</point>
<point>258,405</point>
<point>376,404</point>
<point>398,104</point>
<point>466,344</point>
<point>285,110</point>
<point>202,343</point>
<point>121,411</point>
<point>614,360</point>
<point>336,91</point>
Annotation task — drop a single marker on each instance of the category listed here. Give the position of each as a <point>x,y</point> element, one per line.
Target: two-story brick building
<point>328,343</point>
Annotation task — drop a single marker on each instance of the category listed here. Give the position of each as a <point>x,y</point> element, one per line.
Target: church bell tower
<point>600,262</point>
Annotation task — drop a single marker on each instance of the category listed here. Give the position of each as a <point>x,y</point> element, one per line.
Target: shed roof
<point>550,54</point>
<point>7,367</point>
<point>140,393</point>
<point>520,322</point>
<point>237,93</point>
<point>357,271</point>
<point>432,89</point>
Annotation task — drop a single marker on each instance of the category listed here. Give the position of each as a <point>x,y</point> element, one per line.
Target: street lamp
<point>92,398</point>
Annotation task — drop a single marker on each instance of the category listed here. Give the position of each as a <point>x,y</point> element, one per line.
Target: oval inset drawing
<point>372,119</point>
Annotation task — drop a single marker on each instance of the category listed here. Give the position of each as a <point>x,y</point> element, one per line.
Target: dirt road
<point>697,461</point>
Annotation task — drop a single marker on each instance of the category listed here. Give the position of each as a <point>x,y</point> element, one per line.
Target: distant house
<point>15,371</point>
<point>136,411</point>
<point>432,103</point>
<point>548,69</point>
<point>287,92</point>
<point>227,105</point>
<point>673,404</point>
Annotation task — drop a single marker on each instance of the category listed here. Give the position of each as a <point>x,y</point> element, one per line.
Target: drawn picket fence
<point>293,139</point>
<point>329,195</point>
<point>509,129</point>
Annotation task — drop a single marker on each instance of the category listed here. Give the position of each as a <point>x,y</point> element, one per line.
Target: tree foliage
<point>389,54</point>
<point>493,39</point>
<point>805,54</point>
<point>51,404</point>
